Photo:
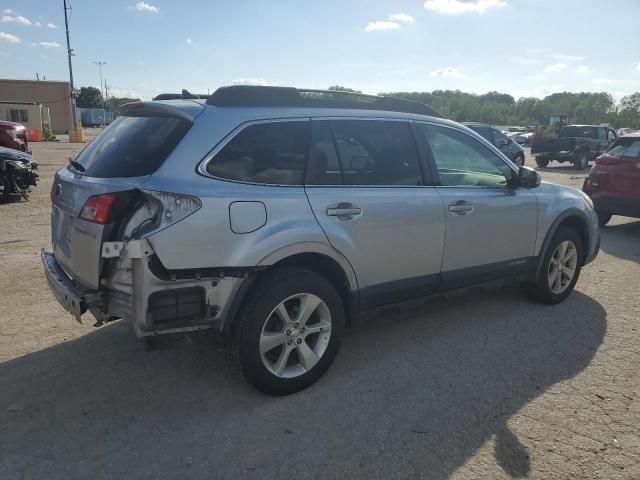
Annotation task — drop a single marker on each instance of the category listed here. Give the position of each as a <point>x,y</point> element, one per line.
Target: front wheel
<point>560,268</point>
<point>289,333</point>
<point>541,162</point>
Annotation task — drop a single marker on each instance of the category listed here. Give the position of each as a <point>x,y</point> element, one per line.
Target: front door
<point>366,188</point>
<point>490,225</point>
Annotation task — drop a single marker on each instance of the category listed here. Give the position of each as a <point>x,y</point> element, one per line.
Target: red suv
<point>13,135</point>
<point>614,181</point>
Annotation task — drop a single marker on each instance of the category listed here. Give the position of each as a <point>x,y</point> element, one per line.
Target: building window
<point>19,115</point>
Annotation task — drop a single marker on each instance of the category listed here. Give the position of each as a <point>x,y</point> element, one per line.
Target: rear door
<point>490,226</point>
<point>366,187</point>
<point>120,159</point>
<point>622,166</point>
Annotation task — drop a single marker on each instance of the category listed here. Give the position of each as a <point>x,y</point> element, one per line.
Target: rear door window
<point>324,165</point>
<point>272,153</point>
<point>132,146</point>
<point>375,152</point>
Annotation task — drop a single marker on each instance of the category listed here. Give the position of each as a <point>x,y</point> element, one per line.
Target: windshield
<point>132,146</point>
<point>625,147</point>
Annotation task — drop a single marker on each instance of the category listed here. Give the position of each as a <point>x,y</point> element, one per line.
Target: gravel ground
<point>480,384</point>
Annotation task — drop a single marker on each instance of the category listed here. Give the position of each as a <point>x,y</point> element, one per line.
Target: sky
<point>521,47</point>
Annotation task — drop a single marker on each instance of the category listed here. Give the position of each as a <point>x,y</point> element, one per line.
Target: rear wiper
<point>76,165</point>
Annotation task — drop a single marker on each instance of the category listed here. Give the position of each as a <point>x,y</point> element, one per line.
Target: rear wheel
<point>603,218</point>
<point>560,268</point>
<point>289,333</point>
<point>542,162</point>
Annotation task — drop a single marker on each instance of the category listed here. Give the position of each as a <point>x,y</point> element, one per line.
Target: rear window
<point>625,147</point>
<point>132,146</point>
<point>272,153</point>
<point>582,132</point>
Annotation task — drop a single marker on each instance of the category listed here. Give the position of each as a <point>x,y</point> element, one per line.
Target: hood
<point>11,154</point>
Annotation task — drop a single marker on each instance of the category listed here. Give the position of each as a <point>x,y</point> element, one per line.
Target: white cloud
<point>601,81</point>
<point>47,44</point>
<point>455,7</point>
<point>7,37</point>
<point>38,24</point>
<point>567,58</point>
<point>52,25</point>
<point>189,42</point>
<point>18,19</point>
<point>146,7</point>
<point>582,69</point>
<point>251,81</point>
<point>447,72</point>
<point>638,67</point>
<point>8,11</point>
<point>525,61</point>
<point>555,67</point>
<point>381,25</point>
<point>401,17</point>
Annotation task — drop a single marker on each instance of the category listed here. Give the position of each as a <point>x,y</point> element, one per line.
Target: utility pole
<point>69,54</point>
<point>106,94</point>
<point>100,64</point>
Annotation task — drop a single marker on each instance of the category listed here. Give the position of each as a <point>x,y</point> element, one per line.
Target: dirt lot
<point>483,384</point>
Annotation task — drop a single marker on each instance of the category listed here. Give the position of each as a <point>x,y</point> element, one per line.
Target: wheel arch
<point>311,256</point>
<point>574,219</point>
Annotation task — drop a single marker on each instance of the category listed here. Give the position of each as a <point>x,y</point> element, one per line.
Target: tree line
<point>502,109</point>
<point>91,97</point>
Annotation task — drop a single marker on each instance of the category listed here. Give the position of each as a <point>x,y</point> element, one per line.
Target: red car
<point>13,135</point>
<point>614,181</point>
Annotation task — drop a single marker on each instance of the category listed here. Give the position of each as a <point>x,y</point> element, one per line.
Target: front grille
<point>176,307</point>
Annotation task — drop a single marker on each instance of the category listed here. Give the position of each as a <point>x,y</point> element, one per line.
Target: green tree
<point>89,97</point>
<point>339,88</point>
<point>114,103</point>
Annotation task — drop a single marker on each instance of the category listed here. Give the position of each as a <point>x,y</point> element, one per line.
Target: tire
<point>266,342</point>
<point>5,188</point>
<point>603,218</point>
<point>541,162</point>
<point>519,160</point>
<point>546,290</point>
<point>581,162</point>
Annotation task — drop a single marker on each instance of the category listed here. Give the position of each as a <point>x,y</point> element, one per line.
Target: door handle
<point>461,208</point>
<point>344,211</point>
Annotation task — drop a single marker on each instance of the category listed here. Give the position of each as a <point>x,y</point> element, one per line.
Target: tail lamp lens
<point>96,209</point>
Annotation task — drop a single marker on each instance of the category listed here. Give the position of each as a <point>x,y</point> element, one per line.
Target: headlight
<point>17,164</point>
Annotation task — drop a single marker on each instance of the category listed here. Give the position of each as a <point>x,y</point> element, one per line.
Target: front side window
<point>273,153</point>
<point>602,135</point>
<point>611,135</point>
<point>373,152</point>
<point>499,138</point>
<point>484,131</point>
<point>461,160</point>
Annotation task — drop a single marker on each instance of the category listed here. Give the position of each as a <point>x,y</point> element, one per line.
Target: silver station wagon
<point>274,215</point>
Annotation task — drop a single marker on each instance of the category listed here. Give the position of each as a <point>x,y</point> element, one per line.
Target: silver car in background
<point>273,215</point>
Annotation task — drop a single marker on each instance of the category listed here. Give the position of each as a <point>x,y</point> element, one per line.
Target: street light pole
<point>100,64</point>
<point>69,54</point>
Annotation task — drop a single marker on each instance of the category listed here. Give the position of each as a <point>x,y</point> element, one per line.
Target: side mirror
<point>528,177</point>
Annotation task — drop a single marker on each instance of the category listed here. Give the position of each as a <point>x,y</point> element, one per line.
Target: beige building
<point>54,95</point>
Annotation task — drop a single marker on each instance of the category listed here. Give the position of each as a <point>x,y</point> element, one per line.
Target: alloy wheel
<point>295,335</point>
<point>562,266</point>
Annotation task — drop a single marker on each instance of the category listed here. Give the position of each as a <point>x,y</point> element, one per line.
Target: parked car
<point>614,181</point>
<point>274,215</point>
<point>14,135</point>
<point>18,173</point>
<point>577,144</point>
<point>625,131</point>
<point>506,145</point>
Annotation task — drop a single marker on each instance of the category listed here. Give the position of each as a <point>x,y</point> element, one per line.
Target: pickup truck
<point>575,143</point>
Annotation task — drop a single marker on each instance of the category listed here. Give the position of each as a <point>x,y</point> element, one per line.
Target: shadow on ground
<point>622,240</point>
<point>414,392</point>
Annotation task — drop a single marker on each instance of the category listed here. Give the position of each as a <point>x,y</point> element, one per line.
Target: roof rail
<point>259,96</point>
<point>185,95</point>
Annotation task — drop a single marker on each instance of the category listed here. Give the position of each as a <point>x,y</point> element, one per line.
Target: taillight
<point>96,209</point>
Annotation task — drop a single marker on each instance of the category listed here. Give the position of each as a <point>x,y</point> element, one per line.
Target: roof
<point>22,80</point>
<point>635,134</point>
<point>475,124</point>
<point>259,96</point>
